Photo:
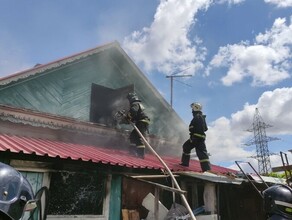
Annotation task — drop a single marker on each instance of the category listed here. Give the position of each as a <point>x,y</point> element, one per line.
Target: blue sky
<point>238,52</point>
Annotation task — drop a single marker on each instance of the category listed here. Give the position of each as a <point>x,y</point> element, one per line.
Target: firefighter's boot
<point>132,149</point>
<point>140,151</point>
<point>185,159</point>
<point>205,165</point>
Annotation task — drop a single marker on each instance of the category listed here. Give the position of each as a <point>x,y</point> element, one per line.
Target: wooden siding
<point>65,90</point>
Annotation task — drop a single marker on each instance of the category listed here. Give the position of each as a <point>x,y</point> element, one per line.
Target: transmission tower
<point>261,141</point>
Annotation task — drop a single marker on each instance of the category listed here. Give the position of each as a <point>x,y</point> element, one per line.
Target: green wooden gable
<point>63,87</point>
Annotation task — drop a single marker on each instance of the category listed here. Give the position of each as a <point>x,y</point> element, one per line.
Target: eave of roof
<point>229,179</point>
<point>42,119</point>
<point>95,154</point>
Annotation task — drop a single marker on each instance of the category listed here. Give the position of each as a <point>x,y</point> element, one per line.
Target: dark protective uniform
<point>138,116</point>
<point>197,130</point>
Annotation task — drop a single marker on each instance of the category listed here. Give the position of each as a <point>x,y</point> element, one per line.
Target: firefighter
<point>278,202</point>
<point>197,129</point>
<point>16,195</point>
<point>137,115</point>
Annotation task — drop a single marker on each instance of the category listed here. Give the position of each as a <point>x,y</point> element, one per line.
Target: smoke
<point>172,133</point>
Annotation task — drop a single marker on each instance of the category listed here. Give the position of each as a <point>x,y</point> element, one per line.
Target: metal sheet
<point>215,178</point>
<point>96,154</point>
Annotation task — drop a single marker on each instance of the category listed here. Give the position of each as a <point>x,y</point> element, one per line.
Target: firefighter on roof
<point>137,115</point>
<point>197,129</point>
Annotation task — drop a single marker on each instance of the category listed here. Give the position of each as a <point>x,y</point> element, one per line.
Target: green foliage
<point>277,175</point>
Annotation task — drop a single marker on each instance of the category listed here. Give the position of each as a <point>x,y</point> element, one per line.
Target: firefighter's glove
<point>128,117</point>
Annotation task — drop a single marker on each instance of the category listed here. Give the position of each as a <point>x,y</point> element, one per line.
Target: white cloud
<point>276,108</point>
<point>166,45</point>
<point>280,3</point>
<point>267,62</point>
<point>226,136</point>
<point>224,142</point>
<point>277,162</point>
<point>230,1</point>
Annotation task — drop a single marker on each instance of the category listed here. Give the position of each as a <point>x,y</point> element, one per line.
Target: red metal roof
<point>54,149</point>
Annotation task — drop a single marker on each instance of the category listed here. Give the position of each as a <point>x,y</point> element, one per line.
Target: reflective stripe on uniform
<point>204,160</point>
<point>283,203</point>
<point>199,135</point>
<point>146,120</point>
<point>140,146</point>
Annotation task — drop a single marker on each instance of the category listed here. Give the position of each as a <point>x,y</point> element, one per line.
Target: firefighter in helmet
<point>197,129</point>
<point>137,115</point>
<point>278,202</point>
<point>16,195</point>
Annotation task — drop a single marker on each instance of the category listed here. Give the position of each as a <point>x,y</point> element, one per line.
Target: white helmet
<point>196,106</point>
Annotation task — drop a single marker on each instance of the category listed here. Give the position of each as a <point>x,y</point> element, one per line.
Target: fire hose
<point>119,114</point>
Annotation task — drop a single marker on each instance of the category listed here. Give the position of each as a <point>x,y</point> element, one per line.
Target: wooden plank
<point>164,187</point>
<point>115,198</point>
<point>282,168</point>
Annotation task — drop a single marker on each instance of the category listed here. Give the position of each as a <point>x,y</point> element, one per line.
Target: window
<point>76,193</point>
<point>36,180</point>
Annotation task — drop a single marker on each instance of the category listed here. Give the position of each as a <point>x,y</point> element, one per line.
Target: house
<point>58,128</point>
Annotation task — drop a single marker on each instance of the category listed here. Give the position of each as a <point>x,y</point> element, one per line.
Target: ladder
<point>250,179</point>
<point>287,170</point>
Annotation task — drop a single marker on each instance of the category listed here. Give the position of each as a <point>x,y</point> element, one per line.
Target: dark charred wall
<point>76,193</point>
<point>240,202</point>
<point>133,194</point>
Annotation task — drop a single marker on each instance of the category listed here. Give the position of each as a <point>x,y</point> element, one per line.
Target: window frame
<point>44,168</point>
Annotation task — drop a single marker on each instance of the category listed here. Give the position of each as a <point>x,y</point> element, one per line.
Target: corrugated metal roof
<point>57,149</point>
<point>214,178</point>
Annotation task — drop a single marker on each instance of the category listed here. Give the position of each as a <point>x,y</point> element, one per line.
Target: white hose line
<point>168,170</point>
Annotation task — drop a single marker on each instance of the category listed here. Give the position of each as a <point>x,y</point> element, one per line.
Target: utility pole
<point>172,76</point>
<point>261,141</point>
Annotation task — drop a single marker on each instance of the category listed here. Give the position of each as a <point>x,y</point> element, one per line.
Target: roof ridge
<point>39,68</point>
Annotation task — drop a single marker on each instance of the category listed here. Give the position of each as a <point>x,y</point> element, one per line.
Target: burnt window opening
<point>105,102</point>
<point>75,193</point>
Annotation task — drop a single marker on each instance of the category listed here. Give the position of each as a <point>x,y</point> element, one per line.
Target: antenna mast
<point>171,82</point>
